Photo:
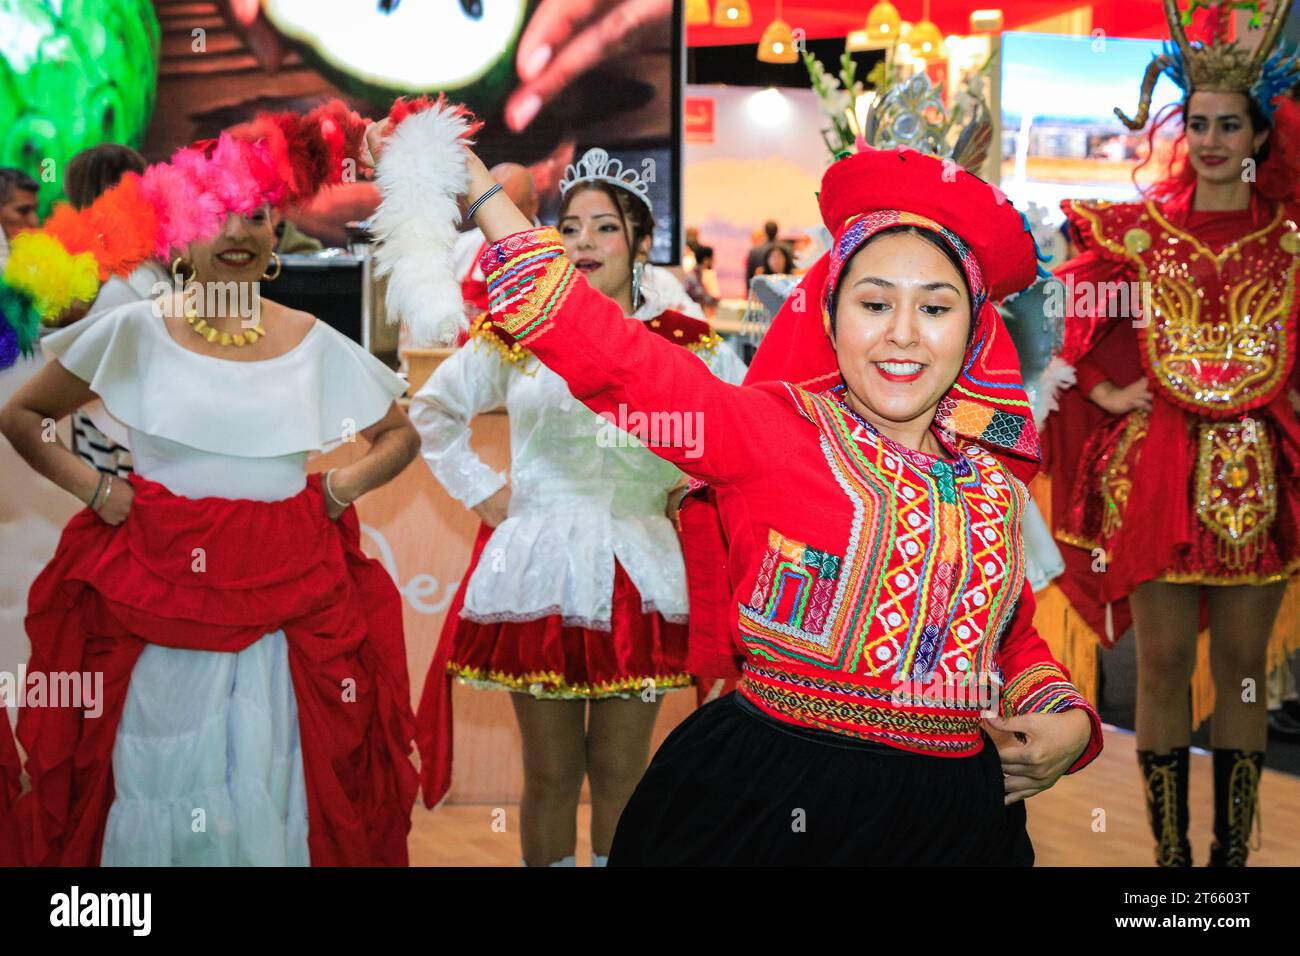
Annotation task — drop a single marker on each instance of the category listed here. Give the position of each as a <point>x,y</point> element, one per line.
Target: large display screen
<point>1060,136</point>
<point>551,78</point>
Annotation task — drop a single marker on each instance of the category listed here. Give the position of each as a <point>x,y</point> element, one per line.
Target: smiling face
<point>597,242</point>
<point>902,319</point>
<point>239,253</point>
<point>1220,136</point>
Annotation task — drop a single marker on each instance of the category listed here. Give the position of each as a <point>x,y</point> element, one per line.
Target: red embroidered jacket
<point>882,590</point>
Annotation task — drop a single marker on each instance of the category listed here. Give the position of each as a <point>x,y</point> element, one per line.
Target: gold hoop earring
<point>176,268</point>
<point>269,277</point>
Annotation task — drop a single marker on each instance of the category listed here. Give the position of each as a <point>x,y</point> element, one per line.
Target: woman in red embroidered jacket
<point>884,605</point>
<point>1175,461</point>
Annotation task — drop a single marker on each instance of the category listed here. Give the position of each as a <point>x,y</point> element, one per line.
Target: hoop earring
<point>176,268</point>
<point>638,270</point>
<point>271,277</point>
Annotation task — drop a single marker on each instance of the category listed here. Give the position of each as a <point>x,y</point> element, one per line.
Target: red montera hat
<point>874,190</point>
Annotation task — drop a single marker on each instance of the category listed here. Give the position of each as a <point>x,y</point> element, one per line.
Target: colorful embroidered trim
<point>528,277</point>
<point>795,583</point>
<point>1041,689</point>
<point>862,711</point>
<point>929,576</point>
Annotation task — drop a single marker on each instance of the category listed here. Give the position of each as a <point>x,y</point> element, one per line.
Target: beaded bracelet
<point>496,188</point>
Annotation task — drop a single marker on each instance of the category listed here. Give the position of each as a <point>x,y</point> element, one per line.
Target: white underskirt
<point>207,762</point>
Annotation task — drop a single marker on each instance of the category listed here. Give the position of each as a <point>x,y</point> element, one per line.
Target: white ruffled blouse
<point>582,494</point>
<point>205,426</point>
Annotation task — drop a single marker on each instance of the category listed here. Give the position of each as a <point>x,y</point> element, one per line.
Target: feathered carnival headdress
<point>1221,65</point>
<point>278,158</point>
<point>876,189</point>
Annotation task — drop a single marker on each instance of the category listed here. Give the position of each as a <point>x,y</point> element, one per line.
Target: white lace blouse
<point>582,494</point>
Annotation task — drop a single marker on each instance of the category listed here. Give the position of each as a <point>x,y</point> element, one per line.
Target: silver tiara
<point>596,165</point>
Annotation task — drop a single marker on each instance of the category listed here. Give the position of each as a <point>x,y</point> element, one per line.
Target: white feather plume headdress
<point>420,174</point>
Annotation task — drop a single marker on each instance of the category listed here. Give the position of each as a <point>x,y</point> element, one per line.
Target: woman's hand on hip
<point>114,508</point>
<point>1037,749</point>
<point>1120,401</point>
<point>495,508</point>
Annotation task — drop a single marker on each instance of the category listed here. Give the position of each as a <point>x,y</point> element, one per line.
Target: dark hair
<point>703,252</point>
<point>633,214</point>
<point>934,239</point>
<point>770,228</point>
<point>1258,121</point>
<point>12,180</point>
<point>1275,180</point>
<point>94,171</point>
<point>778,247</point>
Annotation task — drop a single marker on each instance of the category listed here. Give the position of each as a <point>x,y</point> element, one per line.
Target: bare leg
<point>554,765</point>
<point>1165,618</point>
<point>618,748</point>
<point>1241,620</point>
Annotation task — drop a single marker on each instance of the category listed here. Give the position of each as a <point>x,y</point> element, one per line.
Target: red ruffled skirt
<point>109,591</point>
<point>552,660</point>
<point>546,658</point>
<point>1169,496</point>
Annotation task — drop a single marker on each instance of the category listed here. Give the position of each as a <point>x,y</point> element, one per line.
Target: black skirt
<point>732,786</point>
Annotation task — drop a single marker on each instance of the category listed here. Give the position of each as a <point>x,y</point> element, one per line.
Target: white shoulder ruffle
<point>321,392</point>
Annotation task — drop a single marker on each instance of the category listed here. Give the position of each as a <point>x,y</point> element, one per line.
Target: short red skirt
<point>1221,503</point>
<point>551,660</point>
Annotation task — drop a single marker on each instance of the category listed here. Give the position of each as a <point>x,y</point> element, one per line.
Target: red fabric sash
<point>434,719</point>
<point>10,768</point>
<point>216,574</point>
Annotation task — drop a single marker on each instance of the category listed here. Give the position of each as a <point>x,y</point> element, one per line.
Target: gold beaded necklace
<point>217,337</point>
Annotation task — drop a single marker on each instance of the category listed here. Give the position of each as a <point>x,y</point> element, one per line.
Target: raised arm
<point>656,390</point>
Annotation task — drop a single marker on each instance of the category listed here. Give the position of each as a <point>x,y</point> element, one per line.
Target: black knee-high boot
<point>1236,804</point>
<point>1165,777</point>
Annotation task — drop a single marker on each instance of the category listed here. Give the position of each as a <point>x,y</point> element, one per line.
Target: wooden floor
<point>1094,819</point>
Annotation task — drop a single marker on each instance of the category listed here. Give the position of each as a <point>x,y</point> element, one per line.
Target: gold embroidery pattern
<point>480,332</point>
<point>549,685</point>
<point>1236,492</point>
<point>1216,339</point>
<point>1116,480</point>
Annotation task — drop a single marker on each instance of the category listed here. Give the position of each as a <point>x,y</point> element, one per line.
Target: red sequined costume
<point>1203,488</point>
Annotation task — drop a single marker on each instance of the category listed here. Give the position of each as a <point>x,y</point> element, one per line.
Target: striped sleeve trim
<point>528,277</point>
<point>1042,689</point>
